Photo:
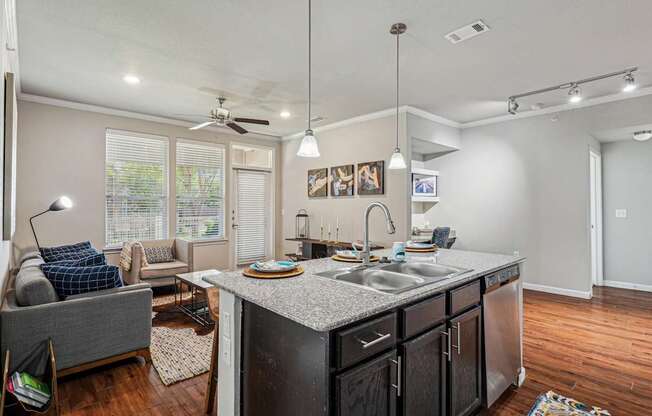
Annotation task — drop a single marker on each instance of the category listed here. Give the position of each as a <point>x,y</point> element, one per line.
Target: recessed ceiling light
<point>285,114</point>
<point>131,79</point>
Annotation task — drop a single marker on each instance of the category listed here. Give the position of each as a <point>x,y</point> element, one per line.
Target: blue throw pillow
<point>57,253</point>
<point>92,260</point>
<point>68,281</point>
<point>73,255</point>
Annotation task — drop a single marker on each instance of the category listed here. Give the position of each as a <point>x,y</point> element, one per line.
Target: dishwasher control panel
<point>501,276</point>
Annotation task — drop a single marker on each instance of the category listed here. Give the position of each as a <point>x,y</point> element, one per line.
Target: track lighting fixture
<point>574,94</point>
<point>630,82</point>
<point>512,105</point>
<point>574,91</point>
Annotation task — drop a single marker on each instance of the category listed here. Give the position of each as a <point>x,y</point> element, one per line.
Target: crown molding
<point>130,114</point>
<point>561,108</point>
<point>376,115</point>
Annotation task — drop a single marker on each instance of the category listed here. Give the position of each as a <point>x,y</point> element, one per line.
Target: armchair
<point>160,274</point>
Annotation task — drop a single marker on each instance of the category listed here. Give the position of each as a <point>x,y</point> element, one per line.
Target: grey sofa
<point>161,274</point>
<point>86,330</point>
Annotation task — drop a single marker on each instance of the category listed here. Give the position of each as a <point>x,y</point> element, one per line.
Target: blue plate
<point>277,266</point>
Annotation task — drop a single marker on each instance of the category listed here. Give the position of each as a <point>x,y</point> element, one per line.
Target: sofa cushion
<point>157,270</point>
<point>32,287</point>
<point>162,254</point>
<point>69,281</point>
<point>93,260</point>
<point>61,252</point>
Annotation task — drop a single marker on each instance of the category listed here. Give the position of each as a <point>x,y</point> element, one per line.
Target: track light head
<point>512,105</point>
<point>630,82</point>
<point>574,94</point>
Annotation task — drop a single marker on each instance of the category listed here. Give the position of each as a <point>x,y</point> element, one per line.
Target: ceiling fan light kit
<point>224,118</point>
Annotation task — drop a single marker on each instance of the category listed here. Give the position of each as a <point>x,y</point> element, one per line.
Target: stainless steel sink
<point>422,269</point>
<point>393,278</point>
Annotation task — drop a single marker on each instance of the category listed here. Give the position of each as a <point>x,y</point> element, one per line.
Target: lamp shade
<point>397,161</point>
<point>308,147</point>
<point>63,202</point>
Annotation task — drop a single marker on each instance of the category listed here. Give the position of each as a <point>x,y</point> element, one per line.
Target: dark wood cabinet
<point>369,389</point>
<point>465,367</point>
<point>424,374</point>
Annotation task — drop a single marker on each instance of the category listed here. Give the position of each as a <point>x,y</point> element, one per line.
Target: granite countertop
<point>323,304</point>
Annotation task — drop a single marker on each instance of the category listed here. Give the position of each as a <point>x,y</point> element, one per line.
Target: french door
<point>251,216</point>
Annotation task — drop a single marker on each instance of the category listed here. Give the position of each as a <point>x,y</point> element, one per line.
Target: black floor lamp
<point>63,202</point>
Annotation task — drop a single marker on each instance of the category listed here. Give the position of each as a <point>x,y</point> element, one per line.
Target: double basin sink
<point>395,277</point>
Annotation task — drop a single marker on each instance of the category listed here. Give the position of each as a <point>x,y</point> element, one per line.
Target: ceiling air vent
<point>467,32</point>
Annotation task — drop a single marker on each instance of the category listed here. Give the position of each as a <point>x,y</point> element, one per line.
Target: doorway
<point>251,216</point>
<point>595,196</point>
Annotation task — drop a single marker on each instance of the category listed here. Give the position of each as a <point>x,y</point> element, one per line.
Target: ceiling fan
<point>222,117</point>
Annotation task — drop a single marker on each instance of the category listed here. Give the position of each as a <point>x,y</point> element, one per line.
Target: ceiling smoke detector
<point>641,136</point>
<point>467,32</point>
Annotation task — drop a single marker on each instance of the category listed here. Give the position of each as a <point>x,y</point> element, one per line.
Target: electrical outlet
<point>226,324</point>
<point>226,352</point>
<point>621,213</point>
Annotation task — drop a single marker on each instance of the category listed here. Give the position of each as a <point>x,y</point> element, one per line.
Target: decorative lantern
<point>302,224</point>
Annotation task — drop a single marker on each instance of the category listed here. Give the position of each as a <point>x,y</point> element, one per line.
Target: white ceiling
<point>255,52</point>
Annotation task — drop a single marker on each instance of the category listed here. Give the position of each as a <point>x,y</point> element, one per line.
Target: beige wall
<point>362,142</point>
<point>61,151</point>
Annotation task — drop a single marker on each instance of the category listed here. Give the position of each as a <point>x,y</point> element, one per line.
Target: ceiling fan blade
<point>251,121</point>
<point>202,125</point>
<point>236,128</point>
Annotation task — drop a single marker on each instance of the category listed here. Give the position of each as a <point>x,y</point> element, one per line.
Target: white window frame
<point>225,206</point>
<point>166,177</point>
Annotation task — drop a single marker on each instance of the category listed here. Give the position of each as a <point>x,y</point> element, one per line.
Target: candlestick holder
<point>337,234</point>
<point>321,233</point>
<point>329,237</point>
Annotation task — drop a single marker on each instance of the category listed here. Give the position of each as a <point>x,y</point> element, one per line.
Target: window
<point>136,187</point>
<point>200,190</point>
<point>251,157</point>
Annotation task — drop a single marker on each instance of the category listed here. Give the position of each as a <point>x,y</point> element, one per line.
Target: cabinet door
<point>368,389</point>
<point>424,374</point>
<point>465,389</point>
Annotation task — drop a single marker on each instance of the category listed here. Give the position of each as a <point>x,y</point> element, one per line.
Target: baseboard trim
<point>558,291</point>
<point>627,285</point>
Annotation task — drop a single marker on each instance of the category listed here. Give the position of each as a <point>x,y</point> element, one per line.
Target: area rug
<point>553,404</point>
<point>180,354</point>
<point>167,299</point>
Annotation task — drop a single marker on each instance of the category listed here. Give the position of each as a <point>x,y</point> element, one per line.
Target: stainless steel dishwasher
<point>502,331</point>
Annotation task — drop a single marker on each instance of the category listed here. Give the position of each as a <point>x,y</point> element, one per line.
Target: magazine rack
<point>42,356</point>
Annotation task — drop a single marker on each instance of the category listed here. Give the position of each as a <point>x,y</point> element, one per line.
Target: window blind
<point>200,190</point>
<point>252,209</point>
<point>135,187</point>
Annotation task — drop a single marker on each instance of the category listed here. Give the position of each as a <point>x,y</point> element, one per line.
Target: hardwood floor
<point>597,351</point>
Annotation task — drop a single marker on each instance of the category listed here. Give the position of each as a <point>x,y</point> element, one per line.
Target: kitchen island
<point>306,345</point>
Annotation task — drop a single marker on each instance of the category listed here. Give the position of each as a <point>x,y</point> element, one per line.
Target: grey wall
<point>361,142</point>
<point>62,152</point>
<point>627,184</point>
<point>523,185</point>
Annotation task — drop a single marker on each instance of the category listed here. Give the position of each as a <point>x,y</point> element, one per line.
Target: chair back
<point>440,236</point>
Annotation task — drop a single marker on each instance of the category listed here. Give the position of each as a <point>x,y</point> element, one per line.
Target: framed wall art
<point>371,178</point>
<point>342,181</point>
<point>318,183</point>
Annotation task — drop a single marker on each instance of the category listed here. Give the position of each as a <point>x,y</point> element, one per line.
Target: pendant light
<point>397,161</point>
<point>309,147</point>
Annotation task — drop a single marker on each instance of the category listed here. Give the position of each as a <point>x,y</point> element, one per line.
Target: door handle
<point>369,344</point>
<point>458,347</point>
<point>398,384</point>
<point>447,353</point>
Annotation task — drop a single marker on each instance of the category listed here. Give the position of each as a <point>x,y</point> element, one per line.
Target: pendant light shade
<point>397,161</point>
<point>309,146</point>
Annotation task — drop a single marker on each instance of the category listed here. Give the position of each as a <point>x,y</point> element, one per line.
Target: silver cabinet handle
<point>369,344</point>
<point>397,386</point>
<point>447,353</point>
<point>458,328</point>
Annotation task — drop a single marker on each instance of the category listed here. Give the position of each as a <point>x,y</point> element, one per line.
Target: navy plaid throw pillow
<point>68,281</point>
<point>73,255</point>
<point>92,260</point>
<point>59,253</point>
